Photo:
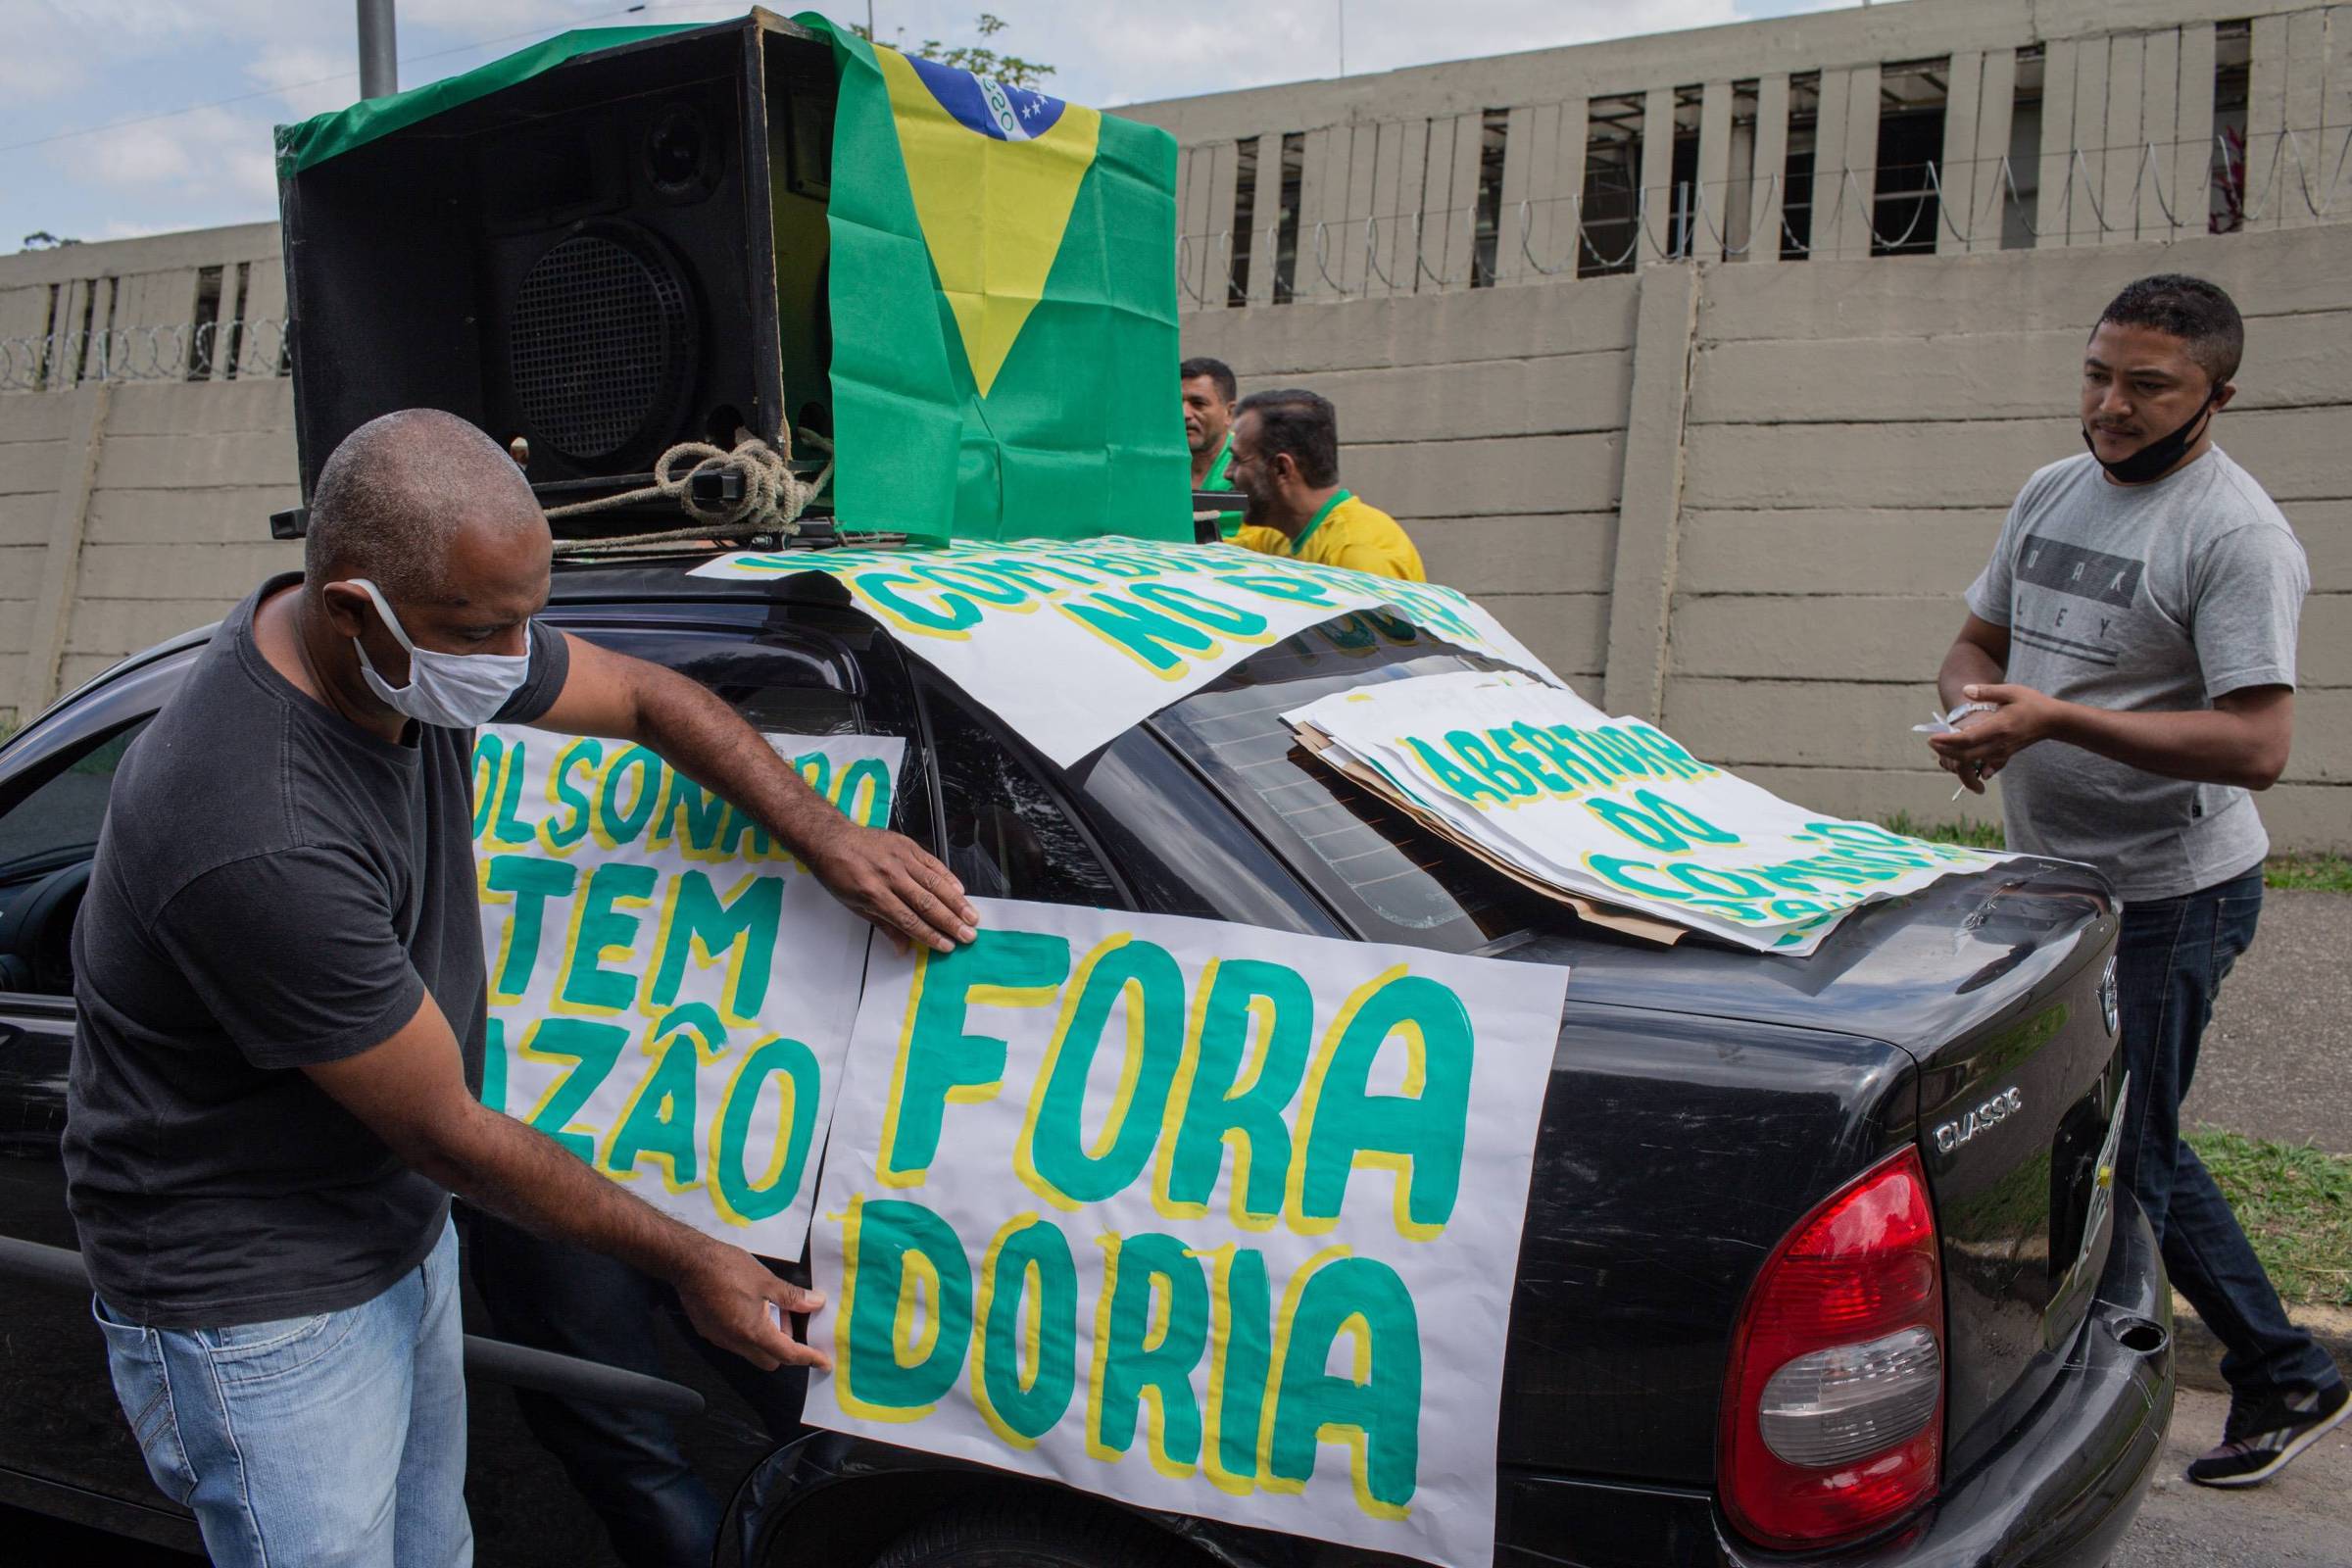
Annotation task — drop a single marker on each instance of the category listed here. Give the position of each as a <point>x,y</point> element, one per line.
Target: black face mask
<point>2157,455</point>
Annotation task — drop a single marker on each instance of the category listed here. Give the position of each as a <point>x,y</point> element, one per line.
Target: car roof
<point>668,575</point>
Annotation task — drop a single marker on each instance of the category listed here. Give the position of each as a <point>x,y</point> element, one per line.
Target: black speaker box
<point>622,253</point>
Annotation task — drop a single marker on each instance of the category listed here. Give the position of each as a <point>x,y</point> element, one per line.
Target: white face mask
<point>456,691</point>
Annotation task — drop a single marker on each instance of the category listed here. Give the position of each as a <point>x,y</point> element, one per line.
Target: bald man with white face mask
<point>282,982</point>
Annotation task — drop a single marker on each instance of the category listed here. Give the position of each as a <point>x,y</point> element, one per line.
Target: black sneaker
<point>2258,1441</point>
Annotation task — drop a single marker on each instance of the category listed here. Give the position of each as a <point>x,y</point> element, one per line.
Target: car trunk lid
<point>1970,1017</point>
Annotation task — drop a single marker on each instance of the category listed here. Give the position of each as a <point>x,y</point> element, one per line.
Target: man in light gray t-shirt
<point>2162,598</point>
<point>2129,669</point>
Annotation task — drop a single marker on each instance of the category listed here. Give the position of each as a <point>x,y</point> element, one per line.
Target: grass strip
<point>2327,873</point>
<point>1975,835</point>
<point>2320,871</point>
<point>2295,1203</point>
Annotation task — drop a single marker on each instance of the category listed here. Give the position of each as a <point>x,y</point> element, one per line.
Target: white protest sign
<point>1615,809</point>
<point>670,991</point>
<point>1072,643</point>
<point>1212,1219</point>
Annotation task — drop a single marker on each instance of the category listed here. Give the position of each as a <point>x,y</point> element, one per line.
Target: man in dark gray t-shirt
<point>2128,668</point>
<point>281,984</point>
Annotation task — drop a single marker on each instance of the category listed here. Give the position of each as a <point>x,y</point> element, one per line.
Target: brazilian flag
<point>1002,288</point>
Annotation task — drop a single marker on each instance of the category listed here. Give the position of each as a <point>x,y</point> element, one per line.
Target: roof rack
<point>817,529</point>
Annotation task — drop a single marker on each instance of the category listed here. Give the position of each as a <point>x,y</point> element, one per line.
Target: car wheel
<point>1032,1537</point>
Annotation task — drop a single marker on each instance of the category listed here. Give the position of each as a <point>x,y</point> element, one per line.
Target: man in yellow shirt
<point>1286,464</point>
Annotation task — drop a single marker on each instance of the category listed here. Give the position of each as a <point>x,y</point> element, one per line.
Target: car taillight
<point>1832,1412</point>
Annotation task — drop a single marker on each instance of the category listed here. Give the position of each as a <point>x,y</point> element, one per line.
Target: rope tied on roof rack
<point>772,501</point>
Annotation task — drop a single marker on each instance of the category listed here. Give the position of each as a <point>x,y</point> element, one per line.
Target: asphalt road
<point>2301,1520</point>
<point>2273,1063</point>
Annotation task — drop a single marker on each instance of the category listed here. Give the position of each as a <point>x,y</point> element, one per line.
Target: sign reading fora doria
<point>1208,1218</point>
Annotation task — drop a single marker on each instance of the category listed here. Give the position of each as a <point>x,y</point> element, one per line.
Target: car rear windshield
<point>1387,875</point>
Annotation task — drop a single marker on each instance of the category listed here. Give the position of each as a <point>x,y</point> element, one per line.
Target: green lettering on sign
<point>603,927</point>
<point>1416,1136</point>
<point>1249,1055</point>
<point>530,882</point>
<point>1026,1362</point>
<point>658,1122</point>
<point>1376,1409</point>
<point>593,1049</point>
<point>941,1063</point>
<point>1053,1156</point>
<point>905,1310</point>
<point>1151,1331</point>
<point>1137,630</point>
<point>739,1195</point>
<point>1450,775</point>
<point>637,778</point>
<point>745,930</point>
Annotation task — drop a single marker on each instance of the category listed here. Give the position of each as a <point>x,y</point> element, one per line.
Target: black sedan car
<point>1821,1259</point>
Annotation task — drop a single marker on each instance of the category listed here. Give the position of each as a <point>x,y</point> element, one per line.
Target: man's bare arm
<point>2244,739</point>
<point>884,876</point>
<point>411,1091</point>
<point>1978,657</point>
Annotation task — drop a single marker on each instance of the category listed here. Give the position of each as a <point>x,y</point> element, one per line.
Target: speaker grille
<point>597,343</point>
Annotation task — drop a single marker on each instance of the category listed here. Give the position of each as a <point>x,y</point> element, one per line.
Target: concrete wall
<point>1496,430</point>
<point>1768,554</point>
<point>136,487</point>
<point>128,512</point>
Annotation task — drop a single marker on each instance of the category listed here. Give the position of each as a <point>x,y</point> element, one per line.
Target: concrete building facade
<point>1721,422</point>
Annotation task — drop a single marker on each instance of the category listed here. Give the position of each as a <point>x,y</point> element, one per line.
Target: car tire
<point>1037,1537</point>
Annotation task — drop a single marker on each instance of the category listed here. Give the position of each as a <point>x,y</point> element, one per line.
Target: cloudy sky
<point>136,116</point>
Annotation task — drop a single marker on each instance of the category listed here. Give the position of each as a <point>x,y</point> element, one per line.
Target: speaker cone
<point>600,342</point>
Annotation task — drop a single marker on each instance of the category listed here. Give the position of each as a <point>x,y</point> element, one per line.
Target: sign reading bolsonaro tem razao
<point>670,990</point>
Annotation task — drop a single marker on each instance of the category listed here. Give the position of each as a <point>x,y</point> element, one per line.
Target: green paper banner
<point>340,130</point>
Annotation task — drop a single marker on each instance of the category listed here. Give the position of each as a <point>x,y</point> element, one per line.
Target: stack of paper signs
<point>1589,808</point>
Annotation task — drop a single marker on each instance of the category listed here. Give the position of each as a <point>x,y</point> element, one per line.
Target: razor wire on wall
<point>2144,191</point>
<point>255,348</point>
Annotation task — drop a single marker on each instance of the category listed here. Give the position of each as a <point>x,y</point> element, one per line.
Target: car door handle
<point>495,1360</point>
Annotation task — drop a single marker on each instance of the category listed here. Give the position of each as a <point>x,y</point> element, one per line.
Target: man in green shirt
<point>1209,391</point>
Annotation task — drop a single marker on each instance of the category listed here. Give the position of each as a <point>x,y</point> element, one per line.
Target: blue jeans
<point>2171,961</point>
<point>337,1441</point>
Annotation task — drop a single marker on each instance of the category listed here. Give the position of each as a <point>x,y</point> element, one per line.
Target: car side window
<point>781,683</point>
<point>47,839</point>
<point>1005,833</point>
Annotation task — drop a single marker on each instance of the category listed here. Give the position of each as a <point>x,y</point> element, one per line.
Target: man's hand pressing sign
<point>884,876</point>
